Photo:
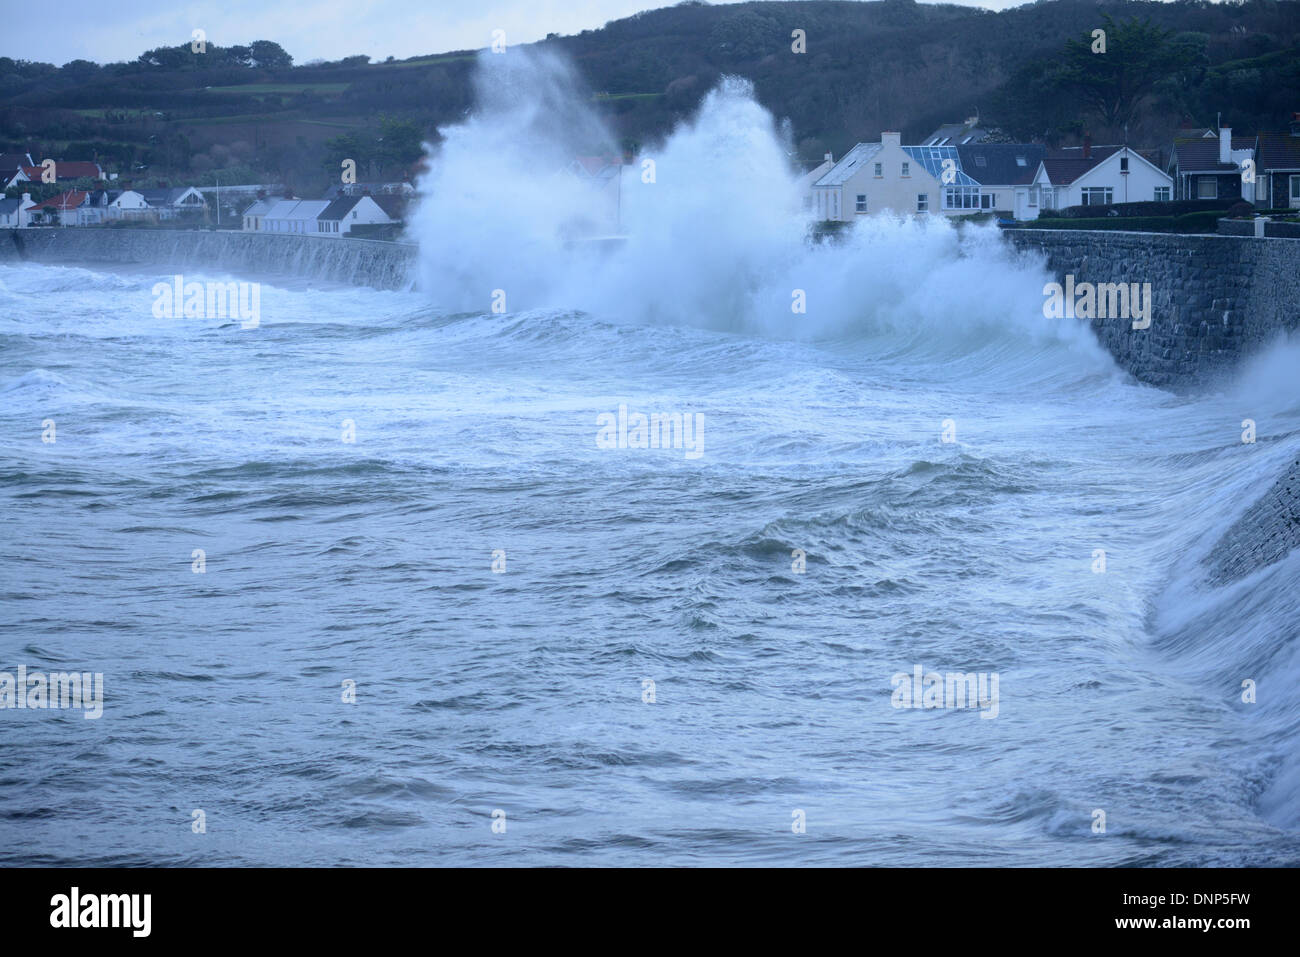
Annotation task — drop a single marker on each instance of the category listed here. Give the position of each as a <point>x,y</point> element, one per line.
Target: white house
<point>62,210</point>
<point>1088,176</point>
<point>905,180</point>
<point>169,203</point>
<point>338,218</point>
<point>841,181</point>
<point>127,204</point>
<point>294,216</point>
<point>13,212</point>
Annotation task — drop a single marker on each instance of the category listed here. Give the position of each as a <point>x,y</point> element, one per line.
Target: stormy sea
<point>635,552</point>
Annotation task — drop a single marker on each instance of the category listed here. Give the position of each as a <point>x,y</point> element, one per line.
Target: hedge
<point>1200,222</point>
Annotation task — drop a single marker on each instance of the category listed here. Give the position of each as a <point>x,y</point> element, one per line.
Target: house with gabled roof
<point>907,180</point>
<point>1277,168</point>
<point>1210,166</point>
<point>835,194</point>
<point>170,202</point>
<point>1094,176</point>
<point>338,218</point>
<point>61,210</point>
<point>13,212</point>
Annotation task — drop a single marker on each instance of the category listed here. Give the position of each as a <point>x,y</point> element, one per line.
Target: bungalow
<point>61,210</point>
<point>13,212</point>
<point>294,216</point>
<point>126,204</point>
<point>1088,176</point>
<point>338,218</point>
<point>172,202</point>
<point>1210,167</point>
<point>1277,168</point>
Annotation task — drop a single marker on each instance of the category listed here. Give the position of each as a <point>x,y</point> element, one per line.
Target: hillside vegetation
<point>245,112</point>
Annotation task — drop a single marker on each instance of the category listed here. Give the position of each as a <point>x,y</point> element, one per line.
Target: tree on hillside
<point>1138,54</point>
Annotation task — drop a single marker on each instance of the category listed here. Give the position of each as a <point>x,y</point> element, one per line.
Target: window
<point>922,202</point>
<point>879,168</point>
<point>1123,164</point>
<point>1207,187</point>
<point>981,161</point>
<point>1162,194</point>
<point>1020,161</point>
<point>861,205</point>
<point>1033,196</point>
<point>1295,190</point>
<point>966,197</point>
<point>907,169</point>
<point>1097,196</point>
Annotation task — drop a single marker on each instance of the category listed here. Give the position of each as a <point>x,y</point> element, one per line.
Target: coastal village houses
<point>1017,180</point>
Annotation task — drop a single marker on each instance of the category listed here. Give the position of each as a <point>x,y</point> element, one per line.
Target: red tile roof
<point>69,200</point>
<point>65,169</point>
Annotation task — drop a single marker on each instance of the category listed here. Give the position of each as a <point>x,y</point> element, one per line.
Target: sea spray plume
<point>499,199</point>
<point>717,233</point>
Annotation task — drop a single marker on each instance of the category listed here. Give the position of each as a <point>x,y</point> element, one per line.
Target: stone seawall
<point>1215,299</point>
<point>362,262</point>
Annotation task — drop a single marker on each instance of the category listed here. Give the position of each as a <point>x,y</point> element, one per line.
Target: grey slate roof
<point>1001,164</point>
<point>338,208</point>
<point>849,163</point>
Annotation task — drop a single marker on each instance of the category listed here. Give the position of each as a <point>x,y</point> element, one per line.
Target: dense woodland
<point>247,113</point>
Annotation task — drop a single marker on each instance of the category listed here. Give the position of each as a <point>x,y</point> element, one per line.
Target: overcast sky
<point>108,30</point>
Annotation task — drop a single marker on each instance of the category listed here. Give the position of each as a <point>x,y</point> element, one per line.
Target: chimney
<point>261,194</point>
<point>829,158</point>
<point>1087,146</point>
<point>1225,144</point>
<point>890,138</point>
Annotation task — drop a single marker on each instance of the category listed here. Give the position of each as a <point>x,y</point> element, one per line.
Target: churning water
<point>525,689</point>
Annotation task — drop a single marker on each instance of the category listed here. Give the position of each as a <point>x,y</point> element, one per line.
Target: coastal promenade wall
<point>1215,299</point>
<point>362,262</point>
